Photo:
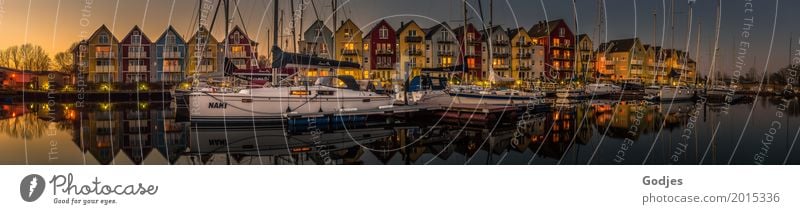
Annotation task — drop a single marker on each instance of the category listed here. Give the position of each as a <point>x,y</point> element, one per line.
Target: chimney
<point>342,23</point>
<point>402,24</point>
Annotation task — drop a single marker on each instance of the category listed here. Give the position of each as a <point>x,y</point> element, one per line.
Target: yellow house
<point>349,48</point>
<point>411,38</point>
<point>203,52</point>
<point>521,54</point>
<point>102,57</point>
<point>585,65</point>
<point>622,60</point>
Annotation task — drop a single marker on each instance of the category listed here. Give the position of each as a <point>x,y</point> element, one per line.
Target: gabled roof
<point>429,32</point>
<point>236,28</point>
<point>377,26</point>
<point>210,35</point>
<point>405,25</point>
<point>583,36</point>
<point>495,29</point>
<point>174,32</point>
<point>136,28</point>
<point>512,32</point>
<point>623,45</point>
<point>543,28</point>
<point>103,28</point>
<point>316,25</point>
<point>345,23</point>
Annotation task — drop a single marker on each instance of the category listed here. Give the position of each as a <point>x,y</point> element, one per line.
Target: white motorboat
<point>673,93</point>
<point>327,96</point>
<point>426,90</point>
<point>570,93</point>
<point>652,90</point>
<point>469,96</point>
<point>602,89</point>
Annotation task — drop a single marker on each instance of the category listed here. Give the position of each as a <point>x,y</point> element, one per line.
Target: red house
<point>559,46</point>
<point>241,49</point>
<point>472,52</point>
<point>135,57</point>
<point>381,45</point>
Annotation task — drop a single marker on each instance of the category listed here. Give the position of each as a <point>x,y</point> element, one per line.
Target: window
<point>104,38</point>
<point>412,33</point>
<point>170,39</point>
<point>136,38</point>
<point>384,33</point>
<point>444,35</point>
<point>561,32</point>
<point>323,48</point>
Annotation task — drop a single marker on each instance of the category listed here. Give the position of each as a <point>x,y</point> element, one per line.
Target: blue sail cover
<point>420,83</point>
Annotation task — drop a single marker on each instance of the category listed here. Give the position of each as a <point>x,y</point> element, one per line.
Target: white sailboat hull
<point>275,103</point>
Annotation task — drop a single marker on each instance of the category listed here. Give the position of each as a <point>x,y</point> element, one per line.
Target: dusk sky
<point>55,24</point>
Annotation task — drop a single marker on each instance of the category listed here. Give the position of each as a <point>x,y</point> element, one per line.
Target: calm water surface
<point>595,132</point>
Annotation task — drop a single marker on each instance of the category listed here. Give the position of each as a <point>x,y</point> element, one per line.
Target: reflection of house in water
<point>560,130</point>
<point>98,128</point>
<point>136,142</point>
<point>170,138</point>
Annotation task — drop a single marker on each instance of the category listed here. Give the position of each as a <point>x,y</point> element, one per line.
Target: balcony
<point>523,55</point>
<point>445,53</point>
<point>473,41</point>
<point>137,68</point>
<point>414,52</point>
<point>636,62</point>
<point>207,55</point>
<point>238,55</point>
<point>500,67</point>
<point>413,39</point>
<point>523,44</point>
<point>501,55</point>
<point>105,69</point>
<point>562,46</point>
<point>445,41</point>
<point>172,55</point>
<point>384,52</point>
<point>137,54</point>
<point>384,65</point>
<point>171,69</point>
<point>205,69</point>
<point>500,43</point>
<point>347,52</point>
<point>562,57</point>
<point>104,55</point>
<point>472,54</point>
<point>525,68</point>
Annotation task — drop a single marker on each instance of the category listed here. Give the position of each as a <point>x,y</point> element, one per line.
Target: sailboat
<point>328,95</point>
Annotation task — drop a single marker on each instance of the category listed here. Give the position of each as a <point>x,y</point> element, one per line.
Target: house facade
<point>170,59</point>
<point>471,51</point>
<point>380,46</point>
<point>317,40</point>
<point>411,47</point>
<point>501,52</point>
<point>96,57</point>
<point>135,57</point>
<point>203,52</point>
<point>241,50</point>
<point>521,55</point>
<point>440,47</point>
<point>559,45</point>
<point>349,48</point>
<point>585,63</point>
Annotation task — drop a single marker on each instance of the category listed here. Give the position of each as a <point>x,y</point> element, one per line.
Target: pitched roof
<point>376,27</point>
<point>543,28</point>
<point>236,28</point>
<point>345,23</point>
<point>170,28</point>
<point>209,34</point>
<point>316,24</point>
<point>623,45</point>
<point>582,36</point>
<point>494,29</point>
<point>104,28</point>
<point>435,28</point>
<point>136,28</point>
<point>512,32</point>
<point>403,26</point>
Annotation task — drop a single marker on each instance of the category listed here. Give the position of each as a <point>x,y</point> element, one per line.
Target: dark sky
<point>54,24</point>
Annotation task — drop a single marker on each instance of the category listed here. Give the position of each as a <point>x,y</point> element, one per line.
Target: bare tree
<point>25,57</point>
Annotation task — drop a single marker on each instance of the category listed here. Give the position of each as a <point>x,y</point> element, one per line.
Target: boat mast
<point>697,51</point>
<point>464,51</point>
<point>275,40</point>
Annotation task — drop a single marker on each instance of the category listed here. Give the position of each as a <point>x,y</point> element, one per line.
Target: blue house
<point>170,57</point>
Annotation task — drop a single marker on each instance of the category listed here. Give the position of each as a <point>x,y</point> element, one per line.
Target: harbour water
<point>585,132</point>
